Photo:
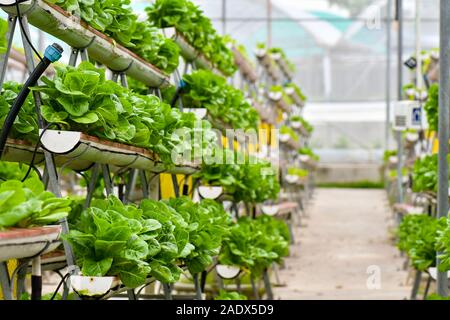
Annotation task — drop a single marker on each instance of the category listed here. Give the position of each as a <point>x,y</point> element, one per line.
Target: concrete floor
<point>344,251</point>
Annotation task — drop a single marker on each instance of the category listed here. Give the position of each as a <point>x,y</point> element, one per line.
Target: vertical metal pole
<point>269,23</point>
<point>198,290</point>
<point>388,74</point>
<point>399,48</point>
<point>268,285</point>
<point>224,17</point>
<point>167,291</point>
<point>419,79</point>
<point>5,281</point>
<point>107,179</point>
<point>144,184</point>
<point>399,16</point>
<point>399,166</point>
<point>416,285</point>
<point>443,130</point>
<point>254,288</point>
<point>12,21</point>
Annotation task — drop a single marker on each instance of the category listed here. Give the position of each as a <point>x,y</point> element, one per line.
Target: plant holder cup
<point>200,113</point>
<point>270,210</point>
<point>433,273</point>
<point>292,179</point>
<point>227,272</point>
<point>87,287</point>
<point>296,125</point>
<point>210,192</point>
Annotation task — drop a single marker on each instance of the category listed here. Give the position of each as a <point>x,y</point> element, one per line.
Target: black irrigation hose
<point>36,147</point>
<point>52,53</point>
<point>64,278</point>
<point>19,17</point>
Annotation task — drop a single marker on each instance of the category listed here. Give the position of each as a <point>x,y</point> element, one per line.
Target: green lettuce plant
<point>81,99</point>
<point>208,224</point>
<point>424,174</point>
<point>305,124</point>
<point>298,172</point>
<point>25,125</point>
<point>417,236</point>
<point>254,244</point>
<point>250,180</point>
<point>233,295</point>
<point>116,19</point>
<point>297,90</point>
<point>204,89</point>
<point>3,31</point>
<point>289,131</point>
<point>443,244</point>
<point>308,151</point>
<point>198,30</point>
<point>26,204</point>
<point>154,239</point>
<point>431,107</point>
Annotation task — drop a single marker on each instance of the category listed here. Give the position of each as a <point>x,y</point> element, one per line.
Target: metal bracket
<point>82,51</point>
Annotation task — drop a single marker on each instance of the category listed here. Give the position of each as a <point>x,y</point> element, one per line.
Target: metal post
<point>269,23</point>
<point>12,21</point>
<point>198,289</point>
<point>399,166</point>
<point>254,288</point>
<point>167,291</point>
<point>419,79</point>
<point>5,281</point>
<point>399,17</point>
<point>133,173</point>
<point>399,48</point>
<point>91,186</point>
<point>107,179</point>
<point>388,74</point>
<point>268,285</point>
<point>417,281</point>
<point>224,17</point>
<point>443,131</point>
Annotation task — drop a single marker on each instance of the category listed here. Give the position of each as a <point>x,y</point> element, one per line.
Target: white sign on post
<point>407,115</point>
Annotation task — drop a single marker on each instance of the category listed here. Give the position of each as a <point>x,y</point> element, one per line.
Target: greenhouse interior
<point>224,150</point>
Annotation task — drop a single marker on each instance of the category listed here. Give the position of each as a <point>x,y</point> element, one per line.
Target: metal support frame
<point>443,131</point>
<point>198,288</point>
<point>51,175</point>
<point>388,74</point>
<point>416,285</point>
<point>399,166</point>
<point>5,281</point>
<point>399,13</point>
<point>267,285</point>
<point>254,288</point>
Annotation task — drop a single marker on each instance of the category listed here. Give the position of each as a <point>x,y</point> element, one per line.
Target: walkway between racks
<point>344,250</point>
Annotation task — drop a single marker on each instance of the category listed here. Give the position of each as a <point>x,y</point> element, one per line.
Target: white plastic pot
<point>275,95</point>
<point>289,90</point>
<point>433,273</point>
<point>200,113</point>
<point>284,137</point>
<point>270,210</point>
<point>296,124</point>
<point>210,192</point>
<point>227,272</point>
<point>86,286</point>
<point>292,178</point>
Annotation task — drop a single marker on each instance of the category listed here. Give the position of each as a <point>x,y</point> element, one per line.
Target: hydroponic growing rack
<point>81,152</point>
